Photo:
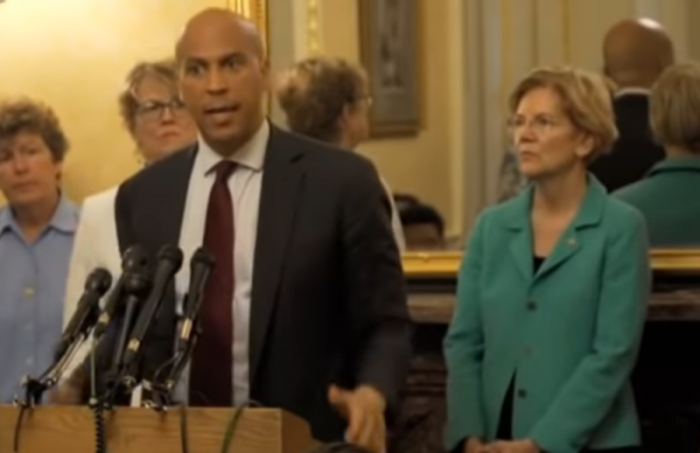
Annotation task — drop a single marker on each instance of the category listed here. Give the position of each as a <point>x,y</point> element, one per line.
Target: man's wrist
<point>373,393</point>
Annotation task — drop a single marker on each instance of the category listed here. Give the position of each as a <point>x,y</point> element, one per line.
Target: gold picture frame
<point>446,264</point>
<point>391,52</point>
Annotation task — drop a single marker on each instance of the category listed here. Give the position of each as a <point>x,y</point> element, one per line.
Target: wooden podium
<point>139,430</point>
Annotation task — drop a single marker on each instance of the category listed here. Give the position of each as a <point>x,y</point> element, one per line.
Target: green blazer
<point>570,332</point>
<point>668,198</point>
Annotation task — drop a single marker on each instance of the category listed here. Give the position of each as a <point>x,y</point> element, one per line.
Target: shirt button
<point>29,292</point>
<point>522,393</point>
<point>30,361</point>
<point>531,305</point>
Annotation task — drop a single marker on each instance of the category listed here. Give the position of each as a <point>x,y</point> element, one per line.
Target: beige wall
<point>74,55</point>
<point>419,165</point>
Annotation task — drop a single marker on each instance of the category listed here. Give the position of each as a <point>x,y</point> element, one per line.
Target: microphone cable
<point>18,427</point>
<point>233,424</point>
<point>96,405</point>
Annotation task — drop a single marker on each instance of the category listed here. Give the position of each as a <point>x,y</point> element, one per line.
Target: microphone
<point>135,257</point>
<point>136,285</point>
<point>96,286</point>
<point>200,267</point>
<point>169,263</point>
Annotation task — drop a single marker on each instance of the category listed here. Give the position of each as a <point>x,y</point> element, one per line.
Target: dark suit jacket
<point>635,151</point>
<point>328,288</point>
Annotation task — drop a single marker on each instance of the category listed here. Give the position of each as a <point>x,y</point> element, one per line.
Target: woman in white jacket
<point>159,124</point>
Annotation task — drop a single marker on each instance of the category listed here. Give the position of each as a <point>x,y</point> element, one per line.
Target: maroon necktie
<point>211,368</point>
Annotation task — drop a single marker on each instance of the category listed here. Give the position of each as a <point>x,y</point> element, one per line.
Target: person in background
<point>664,196</point>
<point>635,53</point>
<point>423,227</point>
<point>404,200</point>
<point>159,124</point>
<point>327,99</point>
<point>37,229</point>
<point>510,180</point>
<point>552,292</point>
<point>668,199</point>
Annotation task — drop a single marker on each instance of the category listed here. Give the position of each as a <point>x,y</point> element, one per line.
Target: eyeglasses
<point>539,124</point>
<point>155,110</point>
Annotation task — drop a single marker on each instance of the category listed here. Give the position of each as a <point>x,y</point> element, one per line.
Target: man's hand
<point>363,408</point>
<point>515,446</point>
<point>474,445</point>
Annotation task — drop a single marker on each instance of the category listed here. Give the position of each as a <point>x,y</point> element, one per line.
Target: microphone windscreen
<point>171,253</point>
<point>202,256</point>
<point>134,257</point>
<point>99,281</point>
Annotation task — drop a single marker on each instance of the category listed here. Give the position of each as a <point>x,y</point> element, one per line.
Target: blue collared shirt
<point>32,288</point>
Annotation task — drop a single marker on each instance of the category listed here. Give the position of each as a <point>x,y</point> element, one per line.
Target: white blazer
<point>96,245</point>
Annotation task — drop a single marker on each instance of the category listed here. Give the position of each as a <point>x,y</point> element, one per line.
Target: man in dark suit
<point>635,52</point>
<point>305,308</point>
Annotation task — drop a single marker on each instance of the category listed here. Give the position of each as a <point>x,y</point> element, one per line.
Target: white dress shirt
<point>245,185</point>
<point>396,226</point>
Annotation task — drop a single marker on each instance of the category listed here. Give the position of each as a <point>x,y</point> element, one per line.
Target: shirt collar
<point>676,164</point>
<point>251,155</point>
<point>631,91</point>
<point>65,218</point>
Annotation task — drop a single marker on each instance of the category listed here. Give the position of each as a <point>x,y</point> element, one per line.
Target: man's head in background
<point>636,52</point>
<point>423,227</point>
<point>403,201</point>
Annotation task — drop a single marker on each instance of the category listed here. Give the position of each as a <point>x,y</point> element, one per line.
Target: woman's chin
<point>530,171</point>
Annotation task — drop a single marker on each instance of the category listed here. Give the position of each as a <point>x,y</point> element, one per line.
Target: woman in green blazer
<point>552,292</point>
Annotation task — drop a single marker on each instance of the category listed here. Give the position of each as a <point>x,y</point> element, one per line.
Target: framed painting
<point>390,52</point>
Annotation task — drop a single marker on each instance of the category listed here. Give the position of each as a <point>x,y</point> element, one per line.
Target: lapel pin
<point>572,242</point>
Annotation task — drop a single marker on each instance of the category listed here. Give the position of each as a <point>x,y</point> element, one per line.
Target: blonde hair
<point>163,70</point>
<point>314,93</point>
<point>674,107</point>
<point>586,101</point>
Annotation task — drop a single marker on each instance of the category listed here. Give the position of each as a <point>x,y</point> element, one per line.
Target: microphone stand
<point>136,287</point>
<point>162,388</point>
<point>34,388</point>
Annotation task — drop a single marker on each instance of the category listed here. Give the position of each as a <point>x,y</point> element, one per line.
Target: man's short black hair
<point>420,214</point>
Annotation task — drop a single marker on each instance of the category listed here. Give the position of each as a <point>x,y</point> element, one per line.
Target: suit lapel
<point>521,245</point>
<point>521,230</point>
<point>572,239</point>
<point>164,197</point>
<point>169,199</point>
<point>281,186</point>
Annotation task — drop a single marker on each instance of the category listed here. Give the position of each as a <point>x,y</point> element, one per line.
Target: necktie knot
<point>223,170</point>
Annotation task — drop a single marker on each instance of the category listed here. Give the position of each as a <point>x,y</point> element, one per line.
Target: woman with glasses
<point>159,124</point>
<point>552,291</point>
<point>328,99</point>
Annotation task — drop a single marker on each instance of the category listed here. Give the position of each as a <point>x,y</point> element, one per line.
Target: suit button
<point>527,352</point>
<point>522,393</point>
<point>531,305</point>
